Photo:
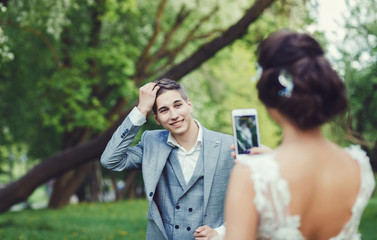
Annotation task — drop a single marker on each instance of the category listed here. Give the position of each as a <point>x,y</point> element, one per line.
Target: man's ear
<point>190,104</point>
<point>155,118</point>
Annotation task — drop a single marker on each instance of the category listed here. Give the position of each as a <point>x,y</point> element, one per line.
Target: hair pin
<point>285,80</point>
<point>258,73</point>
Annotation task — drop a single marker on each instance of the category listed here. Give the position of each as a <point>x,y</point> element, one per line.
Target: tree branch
<point>208,50</point>
<point>172,53</point>
<point>179,21</point>
<point>157,28</point>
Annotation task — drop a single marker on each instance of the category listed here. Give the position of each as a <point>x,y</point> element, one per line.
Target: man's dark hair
<point>166,84</point>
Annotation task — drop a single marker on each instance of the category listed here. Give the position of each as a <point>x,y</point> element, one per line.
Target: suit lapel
<point>174,161</point>
<point>211,150</point>
<point>152,176</point>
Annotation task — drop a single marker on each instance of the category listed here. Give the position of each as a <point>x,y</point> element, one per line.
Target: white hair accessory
<point>286,80</point>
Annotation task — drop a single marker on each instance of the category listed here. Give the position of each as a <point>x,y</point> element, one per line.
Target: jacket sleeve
<point>118,155</point>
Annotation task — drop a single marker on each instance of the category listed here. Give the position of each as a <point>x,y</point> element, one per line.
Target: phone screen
<point>246,133</point>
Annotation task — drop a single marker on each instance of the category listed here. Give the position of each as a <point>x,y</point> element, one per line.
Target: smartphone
<point>245,130</point>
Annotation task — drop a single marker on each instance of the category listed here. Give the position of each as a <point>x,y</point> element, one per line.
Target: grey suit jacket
<point>151,154</point>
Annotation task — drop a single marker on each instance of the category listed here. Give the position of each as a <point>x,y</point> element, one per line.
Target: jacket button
<point>122,136</point>
<point>176,227</point>
<point>177,207</point>
<point>151,194</point>
<point>190,209</point>
<point>188,228</point>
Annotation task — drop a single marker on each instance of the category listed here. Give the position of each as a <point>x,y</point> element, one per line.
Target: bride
<point>309,187</point>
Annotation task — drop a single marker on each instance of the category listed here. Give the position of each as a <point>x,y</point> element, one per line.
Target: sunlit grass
<point>105,221</point>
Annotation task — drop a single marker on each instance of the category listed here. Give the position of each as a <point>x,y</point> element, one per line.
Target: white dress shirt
<point>188,159</point>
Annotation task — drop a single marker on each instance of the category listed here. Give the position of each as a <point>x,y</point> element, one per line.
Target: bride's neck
<point>292,134</point>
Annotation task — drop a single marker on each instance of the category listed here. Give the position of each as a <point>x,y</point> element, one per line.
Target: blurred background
<point>70,72</point>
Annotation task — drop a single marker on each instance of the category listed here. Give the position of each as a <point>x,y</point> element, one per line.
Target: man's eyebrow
<point>176,101</point>
<point>162,108</point>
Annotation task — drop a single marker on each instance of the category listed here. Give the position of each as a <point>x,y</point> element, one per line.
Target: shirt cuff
<point>221,231</point>
<point>136,117</point>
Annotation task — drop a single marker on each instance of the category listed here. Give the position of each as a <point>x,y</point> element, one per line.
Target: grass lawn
<point>368,225</point>
<point>107,221</point>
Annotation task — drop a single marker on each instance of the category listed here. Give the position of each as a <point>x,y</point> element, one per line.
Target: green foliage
<point>71,88</point>
<point>42,14</point>
<point>358,63</point>
<point>288,14</point>
<point>228,80</point>
<point>13,157</point>
<point>57,79</point>
<point>369,219</point>
<point>225,83</point>
<point>5,53</point>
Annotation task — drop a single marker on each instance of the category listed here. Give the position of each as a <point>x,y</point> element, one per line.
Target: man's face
<point>173,112</point>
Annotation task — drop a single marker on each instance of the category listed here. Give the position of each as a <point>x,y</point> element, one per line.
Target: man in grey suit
<point>185,167</point>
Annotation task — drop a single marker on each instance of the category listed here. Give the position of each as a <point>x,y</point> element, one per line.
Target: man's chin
<point>177,131</point>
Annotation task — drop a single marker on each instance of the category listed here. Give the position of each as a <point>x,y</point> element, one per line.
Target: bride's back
<point>324,182</point>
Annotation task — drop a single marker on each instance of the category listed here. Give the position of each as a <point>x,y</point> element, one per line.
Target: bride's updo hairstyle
<point>312,92</point>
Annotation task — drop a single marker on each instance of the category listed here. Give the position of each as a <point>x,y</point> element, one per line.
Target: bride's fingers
<point>260,150</point>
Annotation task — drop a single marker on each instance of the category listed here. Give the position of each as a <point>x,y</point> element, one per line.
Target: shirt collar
<point>172,142</point>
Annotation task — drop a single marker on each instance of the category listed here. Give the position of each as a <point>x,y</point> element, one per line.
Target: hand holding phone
<point>245,130</point>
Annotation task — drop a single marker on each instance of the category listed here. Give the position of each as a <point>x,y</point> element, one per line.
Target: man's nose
<point>173,114</point>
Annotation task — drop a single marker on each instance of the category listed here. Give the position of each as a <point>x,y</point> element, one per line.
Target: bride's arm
<point>241,216</point>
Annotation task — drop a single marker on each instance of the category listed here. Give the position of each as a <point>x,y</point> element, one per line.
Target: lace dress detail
<point>272,198</point>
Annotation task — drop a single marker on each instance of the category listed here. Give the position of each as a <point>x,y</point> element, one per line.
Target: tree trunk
<point>129,190</point>
<point>73,157</point>
<point>69,183</point>
<point>66,186</point>
<point>95,180</point>
<point>115,187</point>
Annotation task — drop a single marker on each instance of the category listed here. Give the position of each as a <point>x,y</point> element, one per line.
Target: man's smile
<point>177,123</point>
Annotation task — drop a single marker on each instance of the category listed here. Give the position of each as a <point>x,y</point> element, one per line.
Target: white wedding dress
<point>272,198</point>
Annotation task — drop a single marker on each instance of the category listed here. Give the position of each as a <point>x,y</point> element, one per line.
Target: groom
<point>185,167</point>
